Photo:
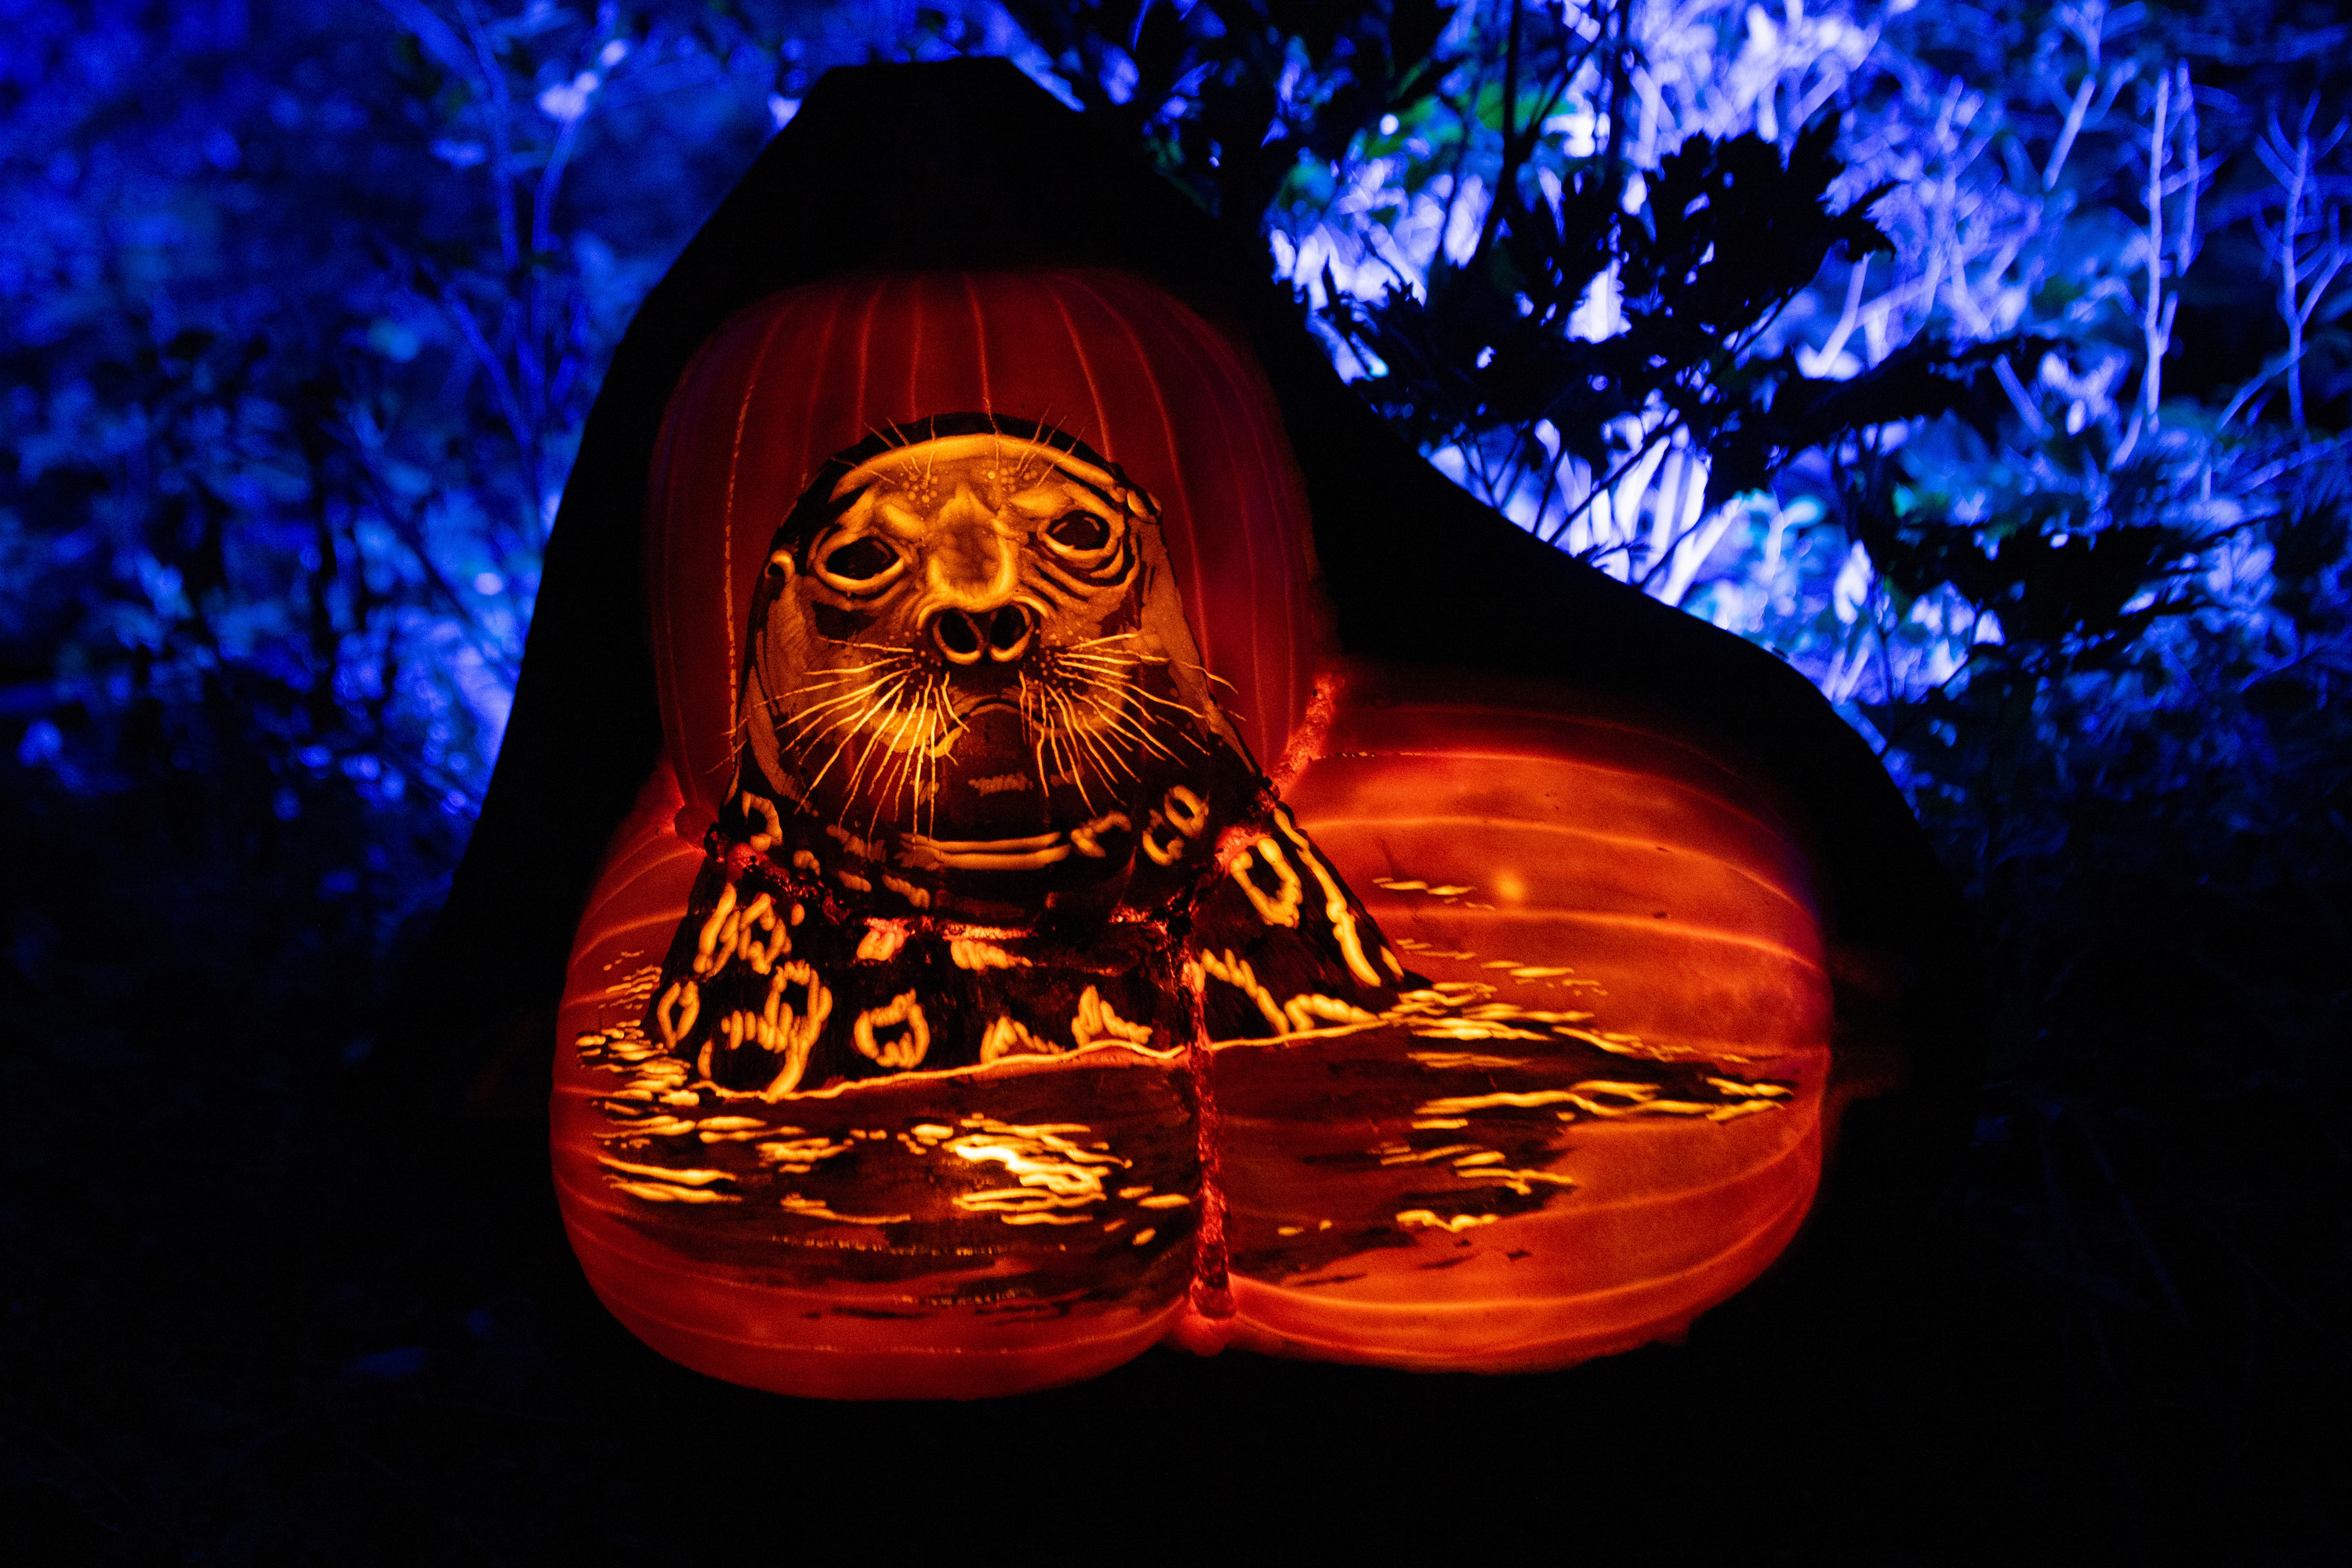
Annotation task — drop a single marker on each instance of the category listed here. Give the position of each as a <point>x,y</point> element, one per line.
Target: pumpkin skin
<point>1590,1109</point>
<point>1625,1125</point>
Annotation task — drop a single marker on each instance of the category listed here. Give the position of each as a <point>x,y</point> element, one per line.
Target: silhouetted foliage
<point>1726,235</point>
<point>1236,94</point>
<point>1989,362</point>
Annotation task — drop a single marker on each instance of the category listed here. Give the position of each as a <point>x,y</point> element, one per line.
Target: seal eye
<point>1079,530</point>
<point>860,561</point>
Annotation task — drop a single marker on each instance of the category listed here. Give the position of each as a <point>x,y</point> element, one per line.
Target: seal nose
<point>1001,634</point>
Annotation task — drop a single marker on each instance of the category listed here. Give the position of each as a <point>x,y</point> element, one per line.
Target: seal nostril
<point>1007,629</point>
<point>958,636</point>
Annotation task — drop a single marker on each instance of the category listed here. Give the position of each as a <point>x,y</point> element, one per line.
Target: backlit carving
<point>987,806</point>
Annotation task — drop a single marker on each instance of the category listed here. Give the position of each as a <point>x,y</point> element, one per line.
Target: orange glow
<point>1605,1146</point>
<point>1584,1103</point>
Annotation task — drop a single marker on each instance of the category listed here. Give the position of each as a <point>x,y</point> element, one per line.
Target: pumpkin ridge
<point>1011,1019</point>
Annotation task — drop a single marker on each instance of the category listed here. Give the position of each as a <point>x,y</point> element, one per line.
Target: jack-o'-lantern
<point>965,1009</point>
<point>1122,851</point>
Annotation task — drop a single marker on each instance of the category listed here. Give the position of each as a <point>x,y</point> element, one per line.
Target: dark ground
<point>265,1305</point>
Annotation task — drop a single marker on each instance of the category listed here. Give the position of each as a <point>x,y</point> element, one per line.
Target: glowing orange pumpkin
<point>1493,1035</point>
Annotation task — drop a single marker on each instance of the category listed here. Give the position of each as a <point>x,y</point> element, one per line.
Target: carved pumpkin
<point>961,1009</point>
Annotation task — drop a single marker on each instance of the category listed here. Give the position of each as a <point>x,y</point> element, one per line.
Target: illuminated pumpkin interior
<point>1037,941</point>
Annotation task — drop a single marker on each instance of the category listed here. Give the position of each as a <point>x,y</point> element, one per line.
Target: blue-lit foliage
<point>305,306</point>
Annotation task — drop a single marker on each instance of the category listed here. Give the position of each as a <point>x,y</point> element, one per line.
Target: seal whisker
<point>876,733</point>
<point>1051,729</point>
<point>893,750</point>
<point>1094,746</point>
<point>1116,718</point>
<point>1086,742</point>
<point>806,722</point>
<point>851,728</point>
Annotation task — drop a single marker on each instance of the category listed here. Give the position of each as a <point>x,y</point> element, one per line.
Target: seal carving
<point>986,803</point>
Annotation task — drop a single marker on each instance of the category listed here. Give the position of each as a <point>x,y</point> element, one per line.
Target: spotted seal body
<point>986,804</point>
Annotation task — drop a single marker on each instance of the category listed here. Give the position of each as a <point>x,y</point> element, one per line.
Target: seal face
<point>970,673</point>
<point>986,804</point>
